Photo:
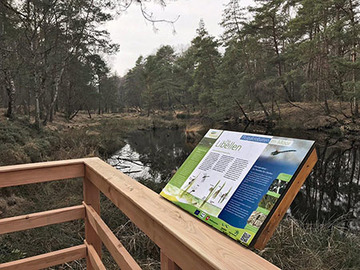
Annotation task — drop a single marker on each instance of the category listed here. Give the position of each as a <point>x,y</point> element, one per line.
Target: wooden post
<point>91,197</point>
<point>167,263</point>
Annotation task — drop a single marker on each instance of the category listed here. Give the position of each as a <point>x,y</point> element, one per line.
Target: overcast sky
<point>137,37</point>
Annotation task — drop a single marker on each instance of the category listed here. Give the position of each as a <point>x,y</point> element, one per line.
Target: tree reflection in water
<point>332,190</point>
<point>160,151</point>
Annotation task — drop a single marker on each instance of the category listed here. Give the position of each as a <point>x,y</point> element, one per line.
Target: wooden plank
<point>187,241</point>
<point>40,172</point>
<point>94,258</point>
<point>166,263</point>
<point>91,197</point>
<point>285,203</point>
<point>124,260</point>
<point>47,260</point>
<point>25,222</point>
<point>41,165</point>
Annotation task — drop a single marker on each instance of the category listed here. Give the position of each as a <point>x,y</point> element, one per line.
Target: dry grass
<point>296,245</point>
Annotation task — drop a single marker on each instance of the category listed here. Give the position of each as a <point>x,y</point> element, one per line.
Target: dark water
<point>331,192</point>
<point>152,154</point>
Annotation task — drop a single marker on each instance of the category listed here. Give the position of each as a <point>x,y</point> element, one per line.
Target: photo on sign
<point>278,186</point>
<point>268,202</point>
<point>256,219</point>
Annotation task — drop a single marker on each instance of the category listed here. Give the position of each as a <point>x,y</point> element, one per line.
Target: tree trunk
<point>278,107</point>
<point>39,90</point>
<point>29,102</point>
<point>242,110</point>
<point>49,114</point>
<point>37,110</point>
<point>11,91</point>
<point>277,51</point>
<point>326,104</point>
<point>354,56</point>
<point>263,108</point>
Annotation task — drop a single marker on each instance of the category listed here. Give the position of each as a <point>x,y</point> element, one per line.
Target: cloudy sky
<point>137,37</point>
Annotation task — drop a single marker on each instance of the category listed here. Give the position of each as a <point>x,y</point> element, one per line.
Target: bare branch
<point>150,16</point>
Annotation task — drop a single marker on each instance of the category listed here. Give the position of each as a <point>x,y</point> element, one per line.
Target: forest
<point>276,52</point>
<point>50,57</point>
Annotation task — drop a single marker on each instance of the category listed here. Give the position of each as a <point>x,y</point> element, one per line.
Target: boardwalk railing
<point>184,241</point>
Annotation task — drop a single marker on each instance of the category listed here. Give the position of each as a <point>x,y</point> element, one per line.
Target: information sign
<point>235,181</point>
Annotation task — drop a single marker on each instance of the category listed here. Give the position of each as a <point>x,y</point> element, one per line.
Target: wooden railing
<point>185,242</point>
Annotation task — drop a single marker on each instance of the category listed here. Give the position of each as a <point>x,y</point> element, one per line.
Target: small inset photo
<point>278,186</point>
<point>256,219</point>
<point>268,202</point>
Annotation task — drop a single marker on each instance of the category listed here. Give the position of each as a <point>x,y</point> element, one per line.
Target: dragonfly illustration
<point>188,185</point>
<point>211,190</point>
<point>276,152</point>
<point>216,193</point>
<point>204,178</point>
<point>223,197</point>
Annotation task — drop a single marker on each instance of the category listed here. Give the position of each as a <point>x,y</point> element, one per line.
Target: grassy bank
<point>99,136</point>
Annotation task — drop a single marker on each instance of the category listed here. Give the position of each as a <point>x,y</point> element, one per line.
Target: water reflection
<point>128,161</point>
<point>331,191</point>
<point>159,153</point>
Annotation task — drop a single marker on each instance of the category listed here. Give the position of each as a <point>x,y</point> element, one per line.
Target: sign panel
<point>233,181</point>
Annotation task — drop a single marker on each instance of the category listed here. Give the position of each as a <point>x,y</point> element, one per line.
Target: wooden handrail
<point>17,175</point>
<point>187,241</point>
<point>48,259</point>
<point>31,221</point>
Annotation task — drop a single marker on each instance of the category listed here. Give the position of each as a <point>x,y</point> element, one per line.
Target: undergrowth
<point>302,246</point>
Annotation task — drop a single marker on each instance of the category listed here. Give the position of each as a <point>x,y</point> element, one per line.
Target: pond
<point>331,192</point>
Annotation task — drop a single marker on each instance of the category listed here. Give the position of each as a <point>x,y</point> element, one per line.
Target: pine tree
<point>206,62</point>
<point>233,19</point>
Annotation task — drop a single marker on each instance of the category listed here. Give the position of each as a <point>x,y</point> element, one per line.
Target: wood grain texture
<point>40,172</point>
<point>285,203</point>
<point>25,222</point>
<point>187,241</point>
<point>166,263</point>
<point>91,197</point>
<point>47,260</point>
<point>121,256</point>
<point>43,165</point>
<point>94,258</point>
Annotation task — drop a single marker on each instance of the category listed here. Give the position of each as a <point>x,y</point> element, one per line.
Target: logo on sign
<point>197,212</point>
